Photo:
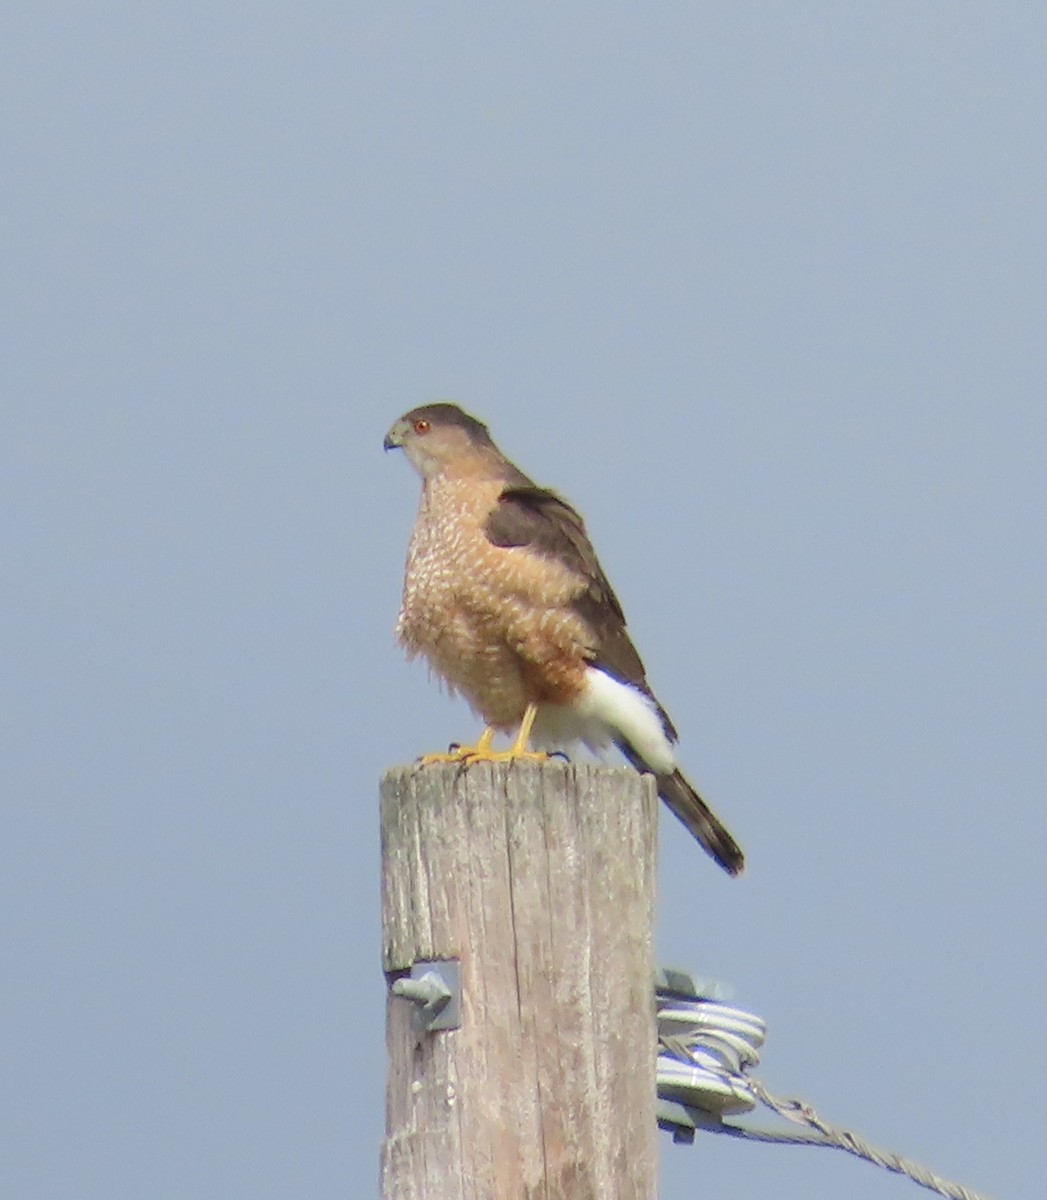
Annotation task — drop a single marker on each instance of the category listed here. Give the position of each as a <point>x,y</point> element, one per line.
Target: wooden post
<point>539,878</point>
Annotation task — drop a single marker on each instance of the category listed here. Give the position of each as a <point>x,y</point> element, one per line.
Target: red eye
<point>421,426</point>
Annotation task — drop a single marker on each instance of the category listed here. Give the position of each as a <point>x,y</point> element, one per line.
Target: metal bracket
<point>435,989</point>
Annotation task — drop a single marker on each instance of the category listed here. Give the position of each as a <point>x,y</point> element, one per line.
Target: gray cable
<point>705,1049</point>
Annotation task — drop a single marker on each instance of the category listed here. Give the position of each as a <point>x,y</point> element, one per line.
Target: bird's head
<point>440,439</point>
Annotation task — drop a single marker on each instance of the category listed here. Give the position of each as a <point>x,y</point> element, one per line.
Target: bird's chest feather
<point>447,563</point>
<point>477,611</point>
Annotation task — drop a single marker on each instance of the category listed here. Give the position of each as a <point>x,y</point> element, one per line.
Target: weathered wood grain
<point>539,878</point>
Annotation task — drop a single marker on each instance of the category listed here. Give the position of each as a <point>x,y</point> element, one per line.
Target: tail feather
<point>700,821</point>
<point>697,817</point>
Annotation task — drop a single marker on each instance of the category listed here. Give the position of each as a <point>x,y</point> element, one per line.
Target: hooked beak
<point>395,437</point>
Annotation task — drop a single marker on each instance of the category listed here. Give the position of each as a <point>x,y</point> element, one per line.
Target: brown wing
<point>531,517</point>
<point>538,519</point>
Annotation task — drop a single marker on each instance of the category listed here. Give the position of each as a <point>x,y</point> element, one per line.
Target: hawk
<point>504,595</point>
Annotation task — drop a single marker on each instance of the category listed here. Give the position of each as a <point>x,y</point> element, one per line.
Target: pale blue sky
<point>762,289</point>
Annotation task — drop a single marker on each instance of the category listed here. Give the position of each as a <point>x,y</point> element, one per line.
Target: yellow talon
<point>482,751</point>
<point>463,753</point>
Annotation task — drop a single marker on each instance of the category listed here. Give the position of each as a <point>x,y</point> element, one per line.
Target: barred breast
<point>494,623</point>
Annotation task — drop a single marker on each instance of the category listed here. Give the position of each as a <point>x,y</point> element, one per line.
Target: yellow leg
<point>519,747</point>
<point>482,751</point>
